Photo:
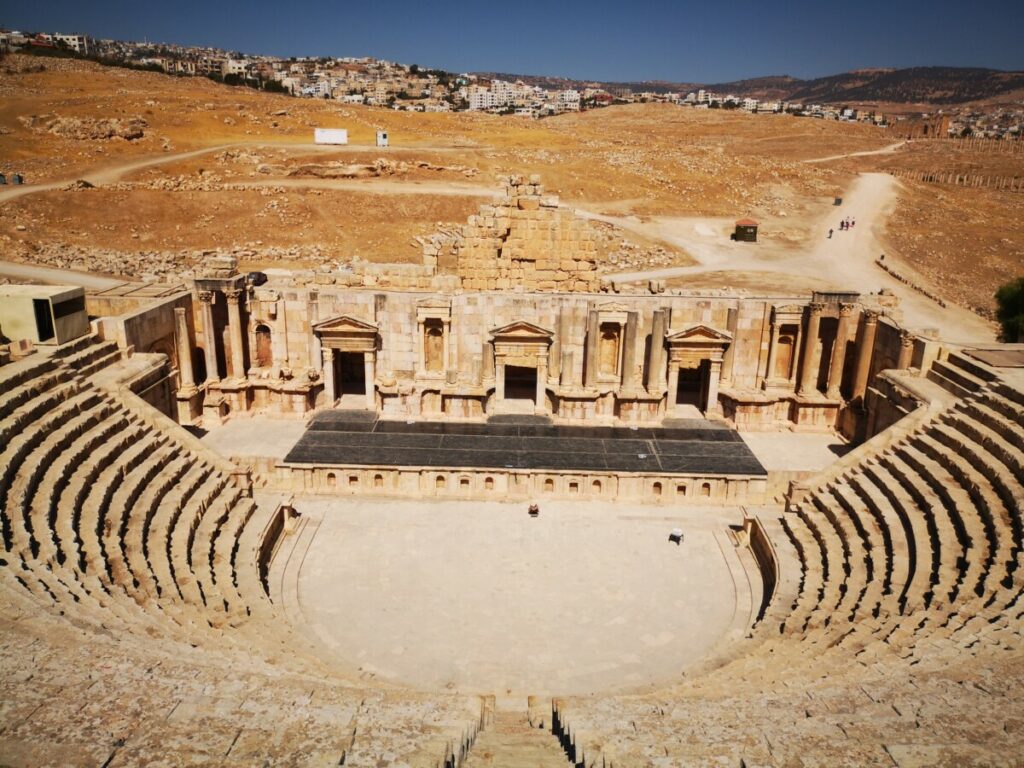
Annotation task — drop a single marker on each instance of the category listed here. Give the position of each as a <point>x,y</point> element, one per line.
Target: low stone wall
<point>519,485</point>
<point>767,561</point>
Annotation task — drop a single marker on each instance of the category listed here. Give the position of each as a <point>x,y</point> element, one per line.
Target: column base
<point>190,404</point>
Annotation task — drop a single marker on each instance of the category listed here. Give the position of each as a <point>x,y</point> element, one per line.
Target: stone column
<point>370,374</point>
<point>673,387</point>
<point>865,349</point>
<point>555,350</point>
<point>237,337</point>
<point>499,379</point>
<point>542,379</point>
<point>421,344</point>
<point>809,373</point>
<point>314,318</point>
<point>487,358</point>
<point>188,381</point>
<point>565,375</point>
<point>732,324</point>
<point>656,359</point>
<point>838,362</point>
<point>714,375</point>
<point>794,360</point>
<point>210,336</point>
<point>906,350</point>
<point>330,386</point>
<point>281,347</point>
<point>629,356</point>
<point>773,352</point>
<point>447,352</point>
<point>593,332</point>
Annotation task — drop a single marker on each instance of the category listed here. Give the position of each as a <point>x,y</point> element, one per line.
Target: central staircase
<point>509,741</point>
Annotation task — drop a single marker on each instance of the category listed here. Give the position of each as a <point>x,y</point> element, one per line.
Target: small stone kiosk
<point>43,314</point>
<point>746,231</point>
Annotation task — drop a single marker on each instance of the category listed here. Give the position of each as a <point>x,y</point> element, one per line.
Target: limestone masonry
<point>150,586</point>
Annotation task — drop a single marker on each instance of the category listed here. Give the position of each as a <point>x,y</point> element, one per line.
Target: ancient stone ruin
<point>150,585</point>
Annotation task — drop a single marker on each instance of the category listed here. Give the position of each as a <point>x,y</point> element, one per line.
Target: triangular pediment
<point>699,334</point>
<point>522,330</point>
<point>344,324</point>
<point>434,303</point>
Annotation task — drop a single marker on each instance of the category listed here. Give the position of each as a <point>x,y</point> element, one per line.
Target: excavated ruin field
<point>260,189</point>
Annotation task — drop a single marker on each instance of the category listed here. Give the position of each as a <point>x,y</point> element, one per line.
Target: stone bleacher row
<point>124,530</point>
<point>910,581</point>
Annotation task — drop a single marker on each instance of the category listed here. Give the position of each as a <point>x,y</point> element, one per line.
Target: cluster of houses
<point>379,83</point>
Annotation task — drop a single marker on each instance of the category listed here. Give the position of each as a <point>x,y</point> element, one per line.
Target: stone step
<point>978,370</point>
<point>510,742</point>
<point>966,382</point>
<point>15,374</point>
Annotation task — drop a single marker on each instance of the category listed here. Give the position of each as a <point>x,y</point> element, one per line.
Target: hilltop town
<point>379,83</point>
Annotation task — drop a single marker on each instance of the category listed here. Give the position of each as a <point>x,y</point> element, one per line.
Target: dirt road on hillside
<point>846,259</point>
<point>110,173</point>
<point>883,151</point>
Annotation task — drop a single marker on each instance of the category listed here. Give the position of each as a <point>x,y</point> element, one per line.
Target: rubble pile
<point>86,129</point>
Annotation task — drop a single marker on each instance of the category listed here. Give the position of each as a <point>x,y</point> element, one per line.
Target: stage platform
<point>693,447</point>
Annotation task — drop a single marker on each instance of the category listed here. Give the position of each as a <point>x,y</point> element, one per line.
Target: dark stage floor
<point>340,437</point>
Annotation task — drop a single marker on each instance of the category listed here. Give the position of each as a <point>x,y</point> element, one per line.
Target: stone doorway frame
<point>347,334</point>
<point>688,348</point>
<point>525,345</point>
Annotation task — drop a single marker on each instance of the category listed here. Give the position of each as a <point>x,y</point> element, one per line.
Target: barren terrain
<point>180,167</point>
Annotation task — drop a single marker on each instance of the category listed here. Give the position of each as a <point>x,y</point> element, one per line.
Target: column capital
<point>845,310</point>
<point>327,354</point>
<point>234,295</point>
<point>871,316</point>
<point>206,297</point>
<point>816,307</point>
<point>906,338</point>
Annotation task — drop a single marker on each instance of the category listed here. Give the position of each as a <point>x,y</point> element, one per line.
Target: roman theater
<point>489,509</point>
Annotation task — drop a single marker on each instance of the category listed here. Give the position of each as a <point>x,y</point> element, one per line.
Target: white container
<point>330,135</point>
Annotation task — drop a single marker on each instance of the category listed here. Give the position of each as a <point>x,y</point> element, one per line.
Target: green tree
<point>1010,312</point>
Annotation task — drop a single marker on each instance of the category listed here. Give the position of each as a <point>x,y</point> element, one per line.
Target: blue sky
<point>640,40</point>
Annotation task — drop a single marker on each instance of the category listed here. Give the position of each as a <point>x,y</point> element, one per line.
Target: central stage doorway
<point>521,385</point>
<point>351,376</point>
<point>691,388</point>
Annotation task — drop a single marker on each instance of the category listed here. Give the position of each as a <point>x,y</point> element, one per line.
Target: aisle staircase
<point>510,741</point>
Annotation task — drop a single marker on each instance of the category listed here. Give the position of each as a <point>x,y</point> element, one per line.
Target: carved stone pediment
<point>699,334</point>
<point>521,330</point>
<point>344,325</point>
<point>347,334</point>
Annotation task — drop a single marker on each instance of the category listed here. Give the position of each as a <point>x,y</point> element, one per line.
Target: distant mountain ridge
<point>936,85</point>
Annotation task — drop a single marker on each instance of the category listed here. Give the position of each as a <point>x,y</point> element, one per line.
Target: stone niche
<point>433,330</point>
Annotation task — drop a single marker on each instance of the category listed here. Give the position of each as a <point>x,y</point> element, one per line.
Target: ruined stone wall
<point>522,241</point>
<point>474,315</point>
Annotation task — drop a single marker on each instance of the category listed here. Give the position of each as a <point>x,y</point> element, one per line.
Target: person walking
<point>830,234</point>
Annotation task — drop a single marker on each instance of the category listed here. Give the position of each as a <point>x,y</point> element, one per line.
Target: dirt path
<point>112,172</point>
<point>378,186</point>
<point>883,151</point>
<point>846,259</point>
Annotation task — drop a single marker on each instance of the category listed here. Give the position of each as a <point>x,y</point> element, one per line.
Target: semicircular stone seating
<point>128,576</point>
<point>900,641</point>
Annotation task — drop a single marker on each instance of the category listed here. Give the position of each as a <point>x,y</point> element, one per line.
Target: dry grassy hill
<point>259,184</point>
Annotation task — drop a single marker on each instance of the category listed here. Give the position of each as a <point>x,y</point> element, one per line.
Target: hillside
<point>919,85</point>
<point>936,85</point>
